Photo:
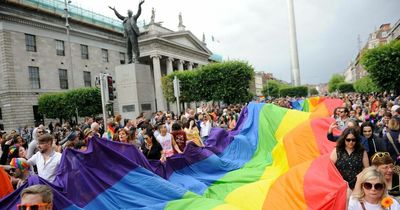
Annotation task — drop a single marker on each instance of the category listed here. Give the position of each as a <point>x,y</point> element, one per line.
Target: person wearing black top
<point>349,156</point>
<point>371,142</point>
<point>150,147</point>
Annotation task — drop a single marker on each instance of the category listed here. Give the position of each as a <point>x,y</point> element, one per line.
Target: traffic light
<point>110,88</point>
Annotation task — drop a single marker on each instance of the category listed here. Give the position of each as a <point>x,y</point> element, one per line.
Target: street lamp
<point>67,26</point>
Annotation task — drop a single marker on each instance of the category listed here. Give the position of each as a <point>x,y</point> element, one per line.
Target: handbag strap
<point>392,142</point>
<point>362,205</point>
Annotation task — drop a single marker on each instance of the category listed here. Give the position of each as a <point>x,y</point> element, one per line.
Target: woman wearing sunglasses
<point>349,156</point>
<point>370,192</point>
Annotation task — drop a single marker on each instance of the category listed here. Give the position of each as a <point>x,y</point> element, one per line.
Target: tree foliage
<point>333,83</point>
<point>383,65</point>
<point>273,87</point>
<point>345,87</point>
<point>86,100</point>
<point>366,85</point>
<point>227,81</point>
<point>297,91</point>
<point>63,105</point>
<point>53,105</point>
<point>314,91</point>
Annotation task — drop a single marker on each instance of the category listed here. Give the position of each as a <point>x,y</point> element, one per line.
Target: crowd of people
<point>158,136</point>
<point>365,129</point>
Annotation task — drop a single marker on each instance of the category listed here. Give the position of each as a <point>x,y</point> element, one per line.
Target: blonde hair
<point>393,125</point>
<point>43,190</point>
<point>368,174</point>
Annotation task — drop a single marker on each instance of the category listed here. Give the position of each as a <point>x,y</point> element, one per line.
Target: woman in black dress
<point>349,155</point>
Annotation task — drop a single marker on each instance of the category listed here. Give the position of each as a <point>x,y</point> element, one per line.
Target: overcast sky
<point>257,30</point>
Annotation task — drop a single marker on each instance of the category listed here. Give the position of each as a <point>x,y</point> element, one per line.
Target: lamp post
<point>67,26</point>
<point>293,46</point>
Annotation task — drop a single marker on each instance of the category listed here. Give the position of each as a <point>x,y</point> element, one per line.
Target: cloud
<point>257,30</point>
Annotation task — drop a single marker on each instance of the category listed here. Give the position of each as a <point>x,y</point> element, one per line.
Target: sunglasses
<point>12,170</point>
<point>31,206</point>
<point>380,155</point>
<point>351,139</point>
<point>377,186</point>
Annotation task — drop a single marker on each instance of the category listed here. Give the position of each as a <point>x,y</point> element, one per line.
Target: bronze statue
<point>131,32</point>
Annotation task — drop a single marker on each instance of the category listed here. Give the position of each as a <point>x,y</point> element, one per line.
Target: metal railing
<point>75,12</point>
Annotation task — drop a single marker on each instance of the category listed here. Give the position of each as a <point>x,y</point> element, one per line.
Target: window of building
<point>34,77</point>
<point>104,55</point>
<point>84,52</point>
<point>63,75</point>
<point>122,58</point>
<point>60,50</point>
<point>87,79</point>
<point>1,115</point>
<point>146,107</point>
<point>128,108</point>
<point>30,41</point>
<point>37,116</point>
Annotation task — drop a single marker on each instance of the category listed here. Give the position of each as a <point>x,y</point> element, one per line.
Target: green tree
<point>226,81</point>
<point>334,81</point>
<point>54,105</point>
<point>63,105</point>
<point>297,91</point>
<point>345,87</point>
<point>86,100</point>
<point>313,91</point>
<point>273,88</point>
<point>366,85</point>
<point>383,65</point>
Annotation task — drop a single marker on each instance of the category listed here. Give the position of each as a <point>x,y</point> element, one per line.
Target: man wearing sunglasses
<point>36,197</point>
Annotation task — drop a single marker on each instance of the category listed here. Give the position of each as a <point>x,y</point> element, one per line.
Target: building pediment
<point>186,39</point>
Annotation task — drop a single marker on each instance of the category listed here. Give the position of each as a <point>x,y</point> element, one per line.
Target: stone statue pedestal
<point>135,90</point>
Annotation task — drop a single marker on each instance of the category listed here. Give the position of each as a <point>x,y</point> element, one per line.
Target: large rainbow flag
<point>275,158</point>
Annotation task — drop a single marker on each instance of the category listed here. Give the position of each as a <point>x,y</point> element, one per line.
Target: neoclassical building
<point>37,57</point>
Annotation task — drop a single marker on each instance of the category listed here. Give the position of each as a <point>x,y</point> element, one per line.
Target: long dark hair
<point>367,124</point>
<point>150,133</point>
<point>341,145</point>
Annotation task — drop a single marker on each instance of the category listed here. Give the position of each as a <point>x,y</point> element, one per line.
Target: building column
<point>170,68</point>
<point>180,65</point>
<point>190,66</point>
<point>157,82</point>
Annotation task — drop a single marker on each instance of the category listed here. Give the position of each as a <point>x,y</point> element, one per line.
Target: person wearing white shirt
<point>205,128</point>
<point>46,160</point>
<point>32,148</point>
<point>370,192</point>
